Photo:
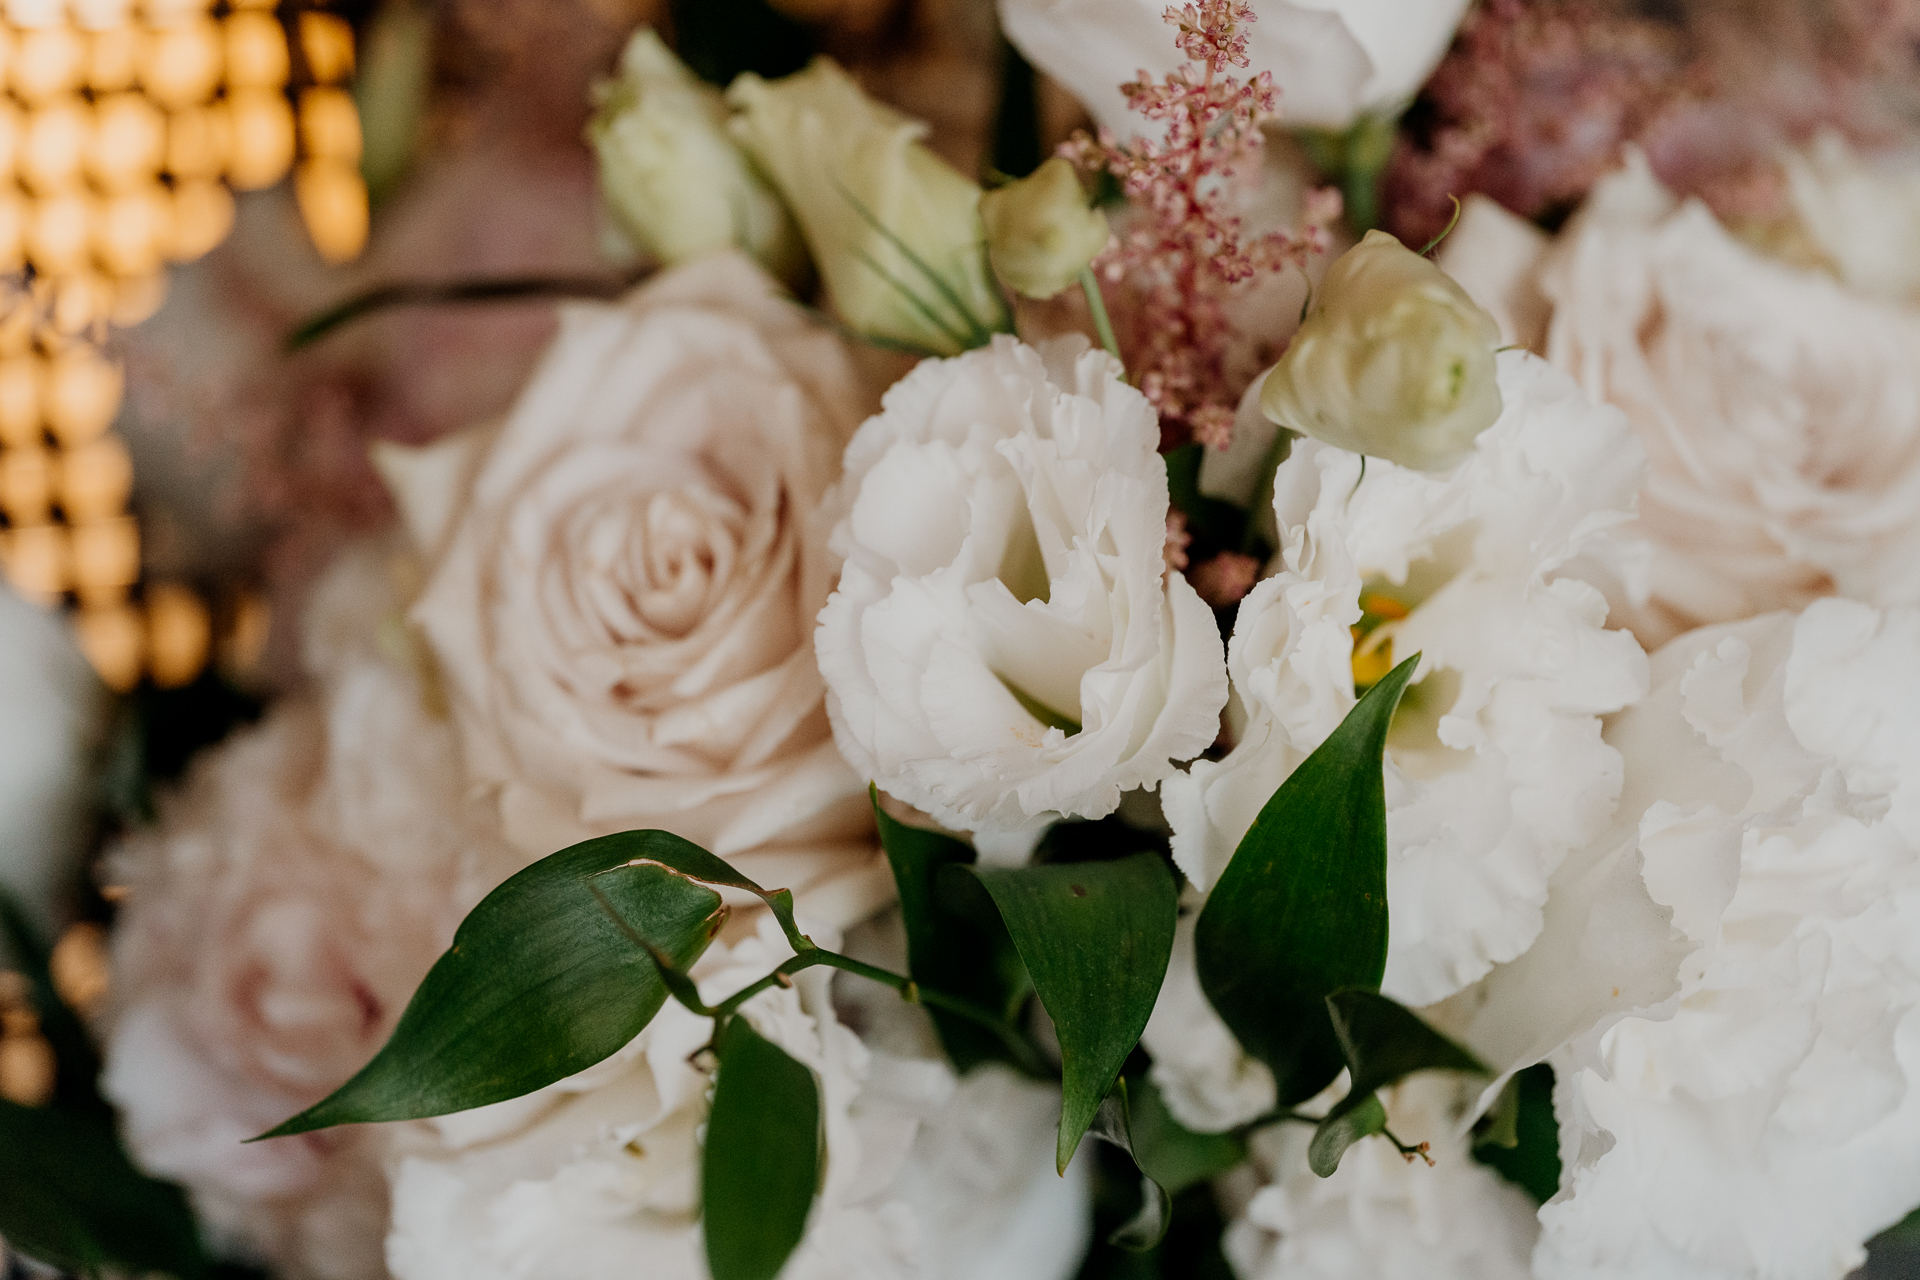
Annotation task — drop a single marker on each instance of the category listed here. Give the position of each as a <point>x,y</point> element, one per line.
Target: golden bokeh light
<point>125,129</point>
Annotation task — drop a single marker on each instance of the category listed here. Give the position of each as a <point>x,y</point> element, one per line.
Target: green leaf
<point>1095,937</point>
<point>966,954</point>
<point>70,1198</point>
<point>1147,1227</point>
<point>762,1161</point>
<point>1531,1160</point>
<point>1301,910</point>
<point>540,982</point>
<point>1344,1126</point>
<point>1383,1042</point>
<point>1170,1153</point>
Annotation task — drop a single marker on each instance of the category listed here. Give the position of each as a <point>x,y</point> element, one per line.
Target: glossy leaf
<point>1095,937</point>
<point>961,952</point>
<point>1147,1227</point>
<point>540,982</point>
<point>1343,1127</point>
<point>1171,1154</point>
<point>1301,910</point>
<point>762,1160</point>
<point>70,1198</point>
<point>1383,1042</point>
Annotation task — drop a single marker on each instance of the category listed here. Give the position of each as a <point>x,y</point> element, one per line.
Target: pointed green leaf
<point>1344,1126</point>
<point>966,954</point>
<point>1383,1042</point>
<point>1148,1227</point>
<point>1301,909</point>
<point>70,1198</point>
<point>1095,937</point>
<point>683,857</point>
<point>540,983</point>
<point>762,1160</point>
<point>1171,1154</point>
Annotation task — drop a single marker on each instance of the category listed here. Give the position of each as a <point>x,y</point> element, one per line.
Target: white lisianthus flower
<point>1394,361</point>
<point>1779,408</point>
<point>1041,230</point>
<point>674,180</point>
<point>1495,766</point>
<point>622,579</point>
<point>56,710</point>
<point>1764,1124</point>
<point>1006,641</point>
<point>894,229</point>
<point>581,1179</point>
<point>1380,1214</point>
<point>1332,59</point>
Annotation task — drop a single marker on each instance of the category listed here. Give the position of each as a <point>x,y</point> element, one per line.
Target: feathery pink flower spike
<point>1185,250</point>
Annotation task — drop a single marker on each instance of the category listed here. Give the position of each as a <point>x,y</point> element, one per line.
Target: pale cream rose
<point>280,915</point>
<point>1864,215</point>
<point>1780,409</point>
<point>622,578</point>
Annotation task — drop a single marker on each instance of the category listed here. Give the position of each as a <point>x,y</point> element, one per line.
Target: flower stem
<point>1098,305</point>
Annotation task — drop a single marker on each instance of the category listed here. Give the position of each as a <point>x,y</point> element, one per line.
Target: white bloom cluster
<point>1765,1124</point>
<point>926,1176</point>
<point>1496,767</point>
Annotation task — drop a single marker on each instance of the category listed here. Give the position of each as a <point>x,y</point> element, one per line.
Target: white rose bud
<point>1041,231</point>
<point>674,181</point>
<point>1394,361</point>
<point>894,229</point>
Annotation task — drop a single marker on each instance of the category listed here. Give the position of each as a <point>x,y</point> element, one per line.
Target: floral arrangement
<point>944,734</point>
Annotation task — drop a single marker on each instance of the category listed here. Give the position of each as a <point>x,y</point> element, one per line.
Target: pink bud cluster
<point>1185,249</point>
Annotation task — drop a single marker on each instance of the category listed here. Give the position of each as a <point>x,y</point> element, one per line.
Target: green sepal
<point>1096,937</point>
<point>762,1161</point>
<point>541,981</point>
<point>1301,909</point>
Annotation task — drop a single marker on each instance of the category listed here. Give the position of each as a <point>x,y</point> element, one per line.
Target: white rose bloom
<point>1006,641</point>
<point>55,720</point>
<point>1765,1124</point>
<point>1380,1215</point>
<point>623,578</point>
<point>1864,216</point>
<point>1495,766</point>
<point>1780,410</point>
<point>1332,59</point>
<point>598,1174</point>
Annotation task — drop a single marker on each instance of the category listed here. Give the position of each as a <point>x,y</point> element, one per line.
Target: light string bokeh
<point>125,129</point>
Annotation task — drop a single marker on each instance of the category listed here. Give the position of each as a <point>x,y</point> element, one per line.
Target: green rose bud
<point>894,230</point>
<point>1394,360</point>
<point>1041,231</point>
<point>673,178</point>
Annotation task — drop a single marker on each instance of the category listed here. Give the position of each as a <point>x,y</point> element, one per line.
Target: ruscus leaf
<point>1171,1154</point>
<point>1147,1228</point>
<point>540,982</point>
<point>762,1160</point>
<point>1343,1127</point>
<point>70,1198</point>
<point>964,954</point>
<point>1301,910</point>
<point>1096,937</point>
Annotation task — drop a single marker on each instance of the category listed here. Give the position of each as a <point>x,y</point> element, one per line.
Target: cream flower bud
<point>894,229</point>
<point>673,179</point>
<point>1041,231</point>
<point>1395,361</point>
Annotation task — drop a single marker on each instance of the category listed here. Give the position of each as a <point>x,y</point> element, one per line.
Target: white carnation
<point>1006,641</point>
<point>1379,1214</point>
<point>1495,766</point>
<point>586,1177</point>
<point>1765,1124</point>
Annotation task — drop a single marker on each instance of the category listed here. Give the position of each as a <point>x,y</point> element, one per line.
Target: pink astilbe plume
<point>1185,249</point>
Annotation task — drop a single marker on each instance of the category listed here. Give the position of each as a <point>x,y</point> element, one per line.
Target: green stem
<point>463,291</point>
<point>1098,305</point>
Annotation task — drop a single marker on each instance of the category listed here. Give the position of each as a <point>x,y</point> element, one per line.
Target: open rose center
<point>655,573</point>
